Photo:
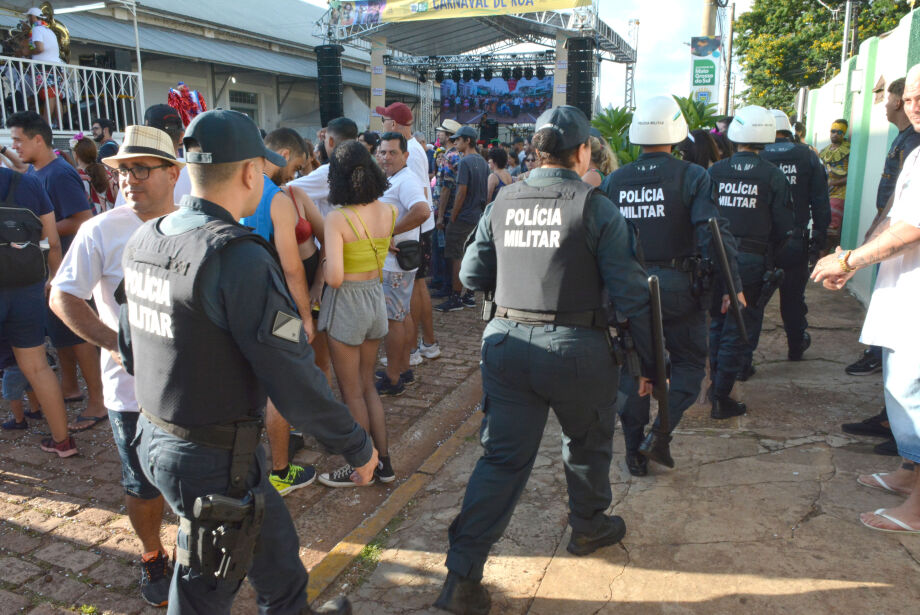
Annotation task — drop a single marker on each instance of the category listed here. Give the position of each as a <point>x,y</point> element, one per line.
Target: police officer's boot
<point>797,350</point>
<point>610,532</point>
<point>463,596</point>
<point>636,463</point>
<point>656,447</point>
<point>337,606</point>
<point>724,407</point>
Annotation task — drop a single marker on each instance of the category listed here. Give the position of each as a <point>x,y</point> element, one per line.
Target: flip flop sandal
<point>91,420</point>
<point>906,529</point>
<point>879,483</point>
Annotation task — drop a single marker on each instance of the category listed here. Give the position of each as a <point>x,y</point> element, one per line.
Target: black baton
<point>660,390</point>
<point>727,274</point>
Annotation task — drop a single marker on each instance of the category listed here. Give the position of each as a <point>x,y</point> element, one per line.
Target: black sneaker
<point>13,424</point>
<point>468,299</point>
<point>866,365</point>
<point>386,388</point>
<point>876,426</point>
<point>384,472</point>
<point>35,416</point>
<point>610,533</point>
<point>336,606</point>
<point>341,478</point>
<point>888,448</point>
<point>796,351</point>
<point>407,377</point>
<point>155,579</point>
<point>454,304</point>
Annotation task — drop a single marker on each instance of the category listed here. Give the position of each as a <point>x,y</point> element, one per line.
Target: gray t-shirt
<point>473,172</point>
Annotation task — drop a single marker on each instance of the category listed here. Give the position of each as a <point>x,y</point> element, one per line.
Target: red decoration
<point>188,103</point>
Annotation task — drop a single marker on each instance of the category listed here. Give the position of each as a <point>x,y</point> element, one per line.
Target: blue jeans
<point>525,371</point>
<point>124,428</point>
<point>902,399</point>
<point>183,471</point>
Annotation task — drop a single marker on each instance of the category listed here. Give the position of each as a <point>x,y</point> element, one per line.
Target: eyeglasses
<point>139,172</point>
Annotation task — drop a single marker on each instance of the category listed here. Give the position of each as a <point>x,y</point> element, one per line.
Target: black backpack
<point>21,259</point>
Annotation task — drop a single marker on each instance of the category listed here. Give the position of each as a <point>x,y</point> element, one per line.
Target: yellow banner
<point>373,12</point>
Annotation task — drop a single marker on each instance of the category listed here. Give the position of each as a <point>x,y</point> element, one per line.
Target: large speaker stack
<point>329,82</point>
<point>579,85</point>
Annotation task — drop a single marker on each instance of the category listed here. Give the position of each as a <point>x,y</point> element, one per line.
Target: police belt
<point>685,264</point>
<point>224,436</point>
<point>752,246</point>
<point>592,319</point>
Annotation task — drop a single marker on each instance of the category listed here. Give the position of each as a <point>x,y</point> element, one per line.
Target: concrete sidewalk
<point>759,516</point>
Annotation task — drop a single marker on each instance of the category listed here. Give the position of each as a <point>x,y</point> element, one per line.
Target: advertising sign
<point>371,12</point>
<point>705,54</point>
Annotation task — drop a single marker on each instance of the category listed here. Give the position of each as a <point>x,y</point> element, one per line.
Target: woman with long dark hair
<point>100,189</point>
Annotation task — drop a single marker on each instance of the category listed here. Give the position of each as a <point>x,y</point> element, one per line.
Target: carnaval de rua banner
<point>370,12</point>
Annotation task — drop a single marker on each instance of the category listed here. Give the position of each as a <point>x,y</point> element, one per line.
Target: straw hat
<point>141,141</point>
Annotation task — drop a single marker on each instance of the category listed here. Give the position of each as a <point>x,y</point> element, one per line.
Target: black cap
<point>465,131</point>
<point>160,116</point>
<point>226,136</point>
<point>570,122</point>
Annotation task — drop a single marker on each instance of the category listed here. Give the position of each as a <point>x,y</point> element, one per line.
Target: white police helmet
<point>782,120</point>
<point>752,124</point>
<point>658,121</point>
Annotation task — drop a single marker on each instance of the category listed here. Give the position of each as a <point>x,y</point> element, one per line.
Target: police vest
<point>743,193</point>
<point>652,199</point>
<point>544,264</point>
<point>188,370</point>
<point>794,159</point>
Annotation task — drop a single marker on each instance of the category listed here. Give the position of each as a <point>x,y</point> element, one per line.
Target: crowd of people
<point>153,244</point>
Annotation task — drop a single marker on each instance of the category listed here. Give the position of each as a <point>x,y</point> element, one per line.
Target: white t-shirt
<point>44,35</point>
<point>418,162</point>
<point>405,191</point>
<point>183,187</point>
<point>316,185</point>
<point>890,321</point>
<point>92,268</point>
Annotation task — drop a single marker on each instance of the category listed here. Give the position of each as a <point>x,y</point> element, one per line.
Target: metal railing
<point>68,97</point>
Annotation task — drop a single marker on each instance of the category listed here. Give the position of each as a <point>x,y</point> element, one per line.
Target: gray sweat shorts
<point>354,312</point>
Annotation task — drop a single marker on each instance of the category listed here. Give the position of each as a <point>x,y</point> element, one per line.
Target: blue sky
<point>665,29</point>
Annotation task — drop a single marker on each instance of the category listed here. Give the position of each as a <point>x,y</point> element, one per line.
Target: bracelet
<point>842,261</point>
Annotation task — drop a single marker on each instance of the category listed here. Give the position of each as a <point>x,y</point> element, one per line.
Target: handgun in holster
<point>225,531</point>
<point>701,282</point>
<point>622,344</point>
<point>772,279</point>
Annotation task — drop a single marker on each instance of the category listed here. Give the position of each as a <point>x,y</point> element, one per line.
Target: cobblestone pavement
<point>760,514</point>
<point>66,544</point>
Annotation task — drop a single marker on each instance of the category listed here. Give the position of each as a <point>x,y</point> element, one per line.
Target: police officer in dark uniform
<point>212,329</point>
<point>547,246</point>
<point>808,187</point>
<point>669,201</point>
<point>753,195</point>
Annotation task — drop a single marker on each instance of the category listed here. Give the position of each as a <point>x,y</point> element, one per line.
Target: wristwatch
<point>843,259</point>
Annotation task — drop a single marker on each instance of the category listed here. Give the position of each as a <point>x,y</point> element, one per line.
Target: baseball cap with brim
<point>144,141</point>
<point>226,136</point>
<point>450,126</point>
<point>160,116</point>
<point>398,112</point>
<point>35,12</point>
<point>569,122</point>
<point>466,131</point>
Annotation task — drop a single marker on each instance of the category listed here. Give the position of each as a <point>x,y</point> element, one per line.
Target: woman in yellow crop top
<point>353,312</point>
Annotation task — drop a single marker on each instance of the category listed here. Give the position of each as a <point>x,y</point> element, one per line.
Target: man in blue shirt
<point>22,317</point>
<point>32,141</point>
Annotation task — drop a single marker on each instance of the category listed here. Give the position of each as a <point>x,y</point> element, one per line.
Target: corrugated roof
<point>91,28</point>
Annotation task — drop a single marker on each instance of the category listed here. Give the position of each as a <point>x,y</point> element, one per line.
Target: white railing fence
<point>68,97</point>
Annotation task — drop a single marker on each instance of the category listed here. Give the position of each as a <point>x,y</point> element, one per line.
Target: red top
<point>303,231</point>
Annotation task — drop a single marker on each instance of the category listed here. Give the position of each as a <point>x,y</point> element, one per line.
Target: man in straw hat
<point>147,168</point>
<point>212,328</point>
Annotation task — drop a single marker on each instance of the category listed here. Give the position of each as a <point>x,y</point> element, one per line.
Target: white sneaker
<point>415,358</point>
<point>432,351</point>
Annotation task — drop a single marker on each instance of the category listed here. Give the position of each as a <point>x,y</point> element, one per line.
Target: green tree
<point>783,45</point>
<point>613,124</point>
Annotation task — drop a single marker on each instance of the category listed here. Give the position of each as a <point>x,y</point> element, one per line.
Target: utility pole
<point>845,47</point>
<point>710,7</point>
<point>726,82</point>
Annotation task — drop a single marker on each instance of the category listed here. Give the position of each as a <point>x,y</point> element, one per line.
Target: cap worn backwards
<point>226,136</point>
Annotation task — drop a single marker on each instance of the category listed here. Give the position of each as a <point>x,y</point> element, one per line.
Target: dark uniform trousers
<point>183,471</point>
<point>792,305</point>
<point>685,339</point>
<point>526,369</point>
<point>727,351</point>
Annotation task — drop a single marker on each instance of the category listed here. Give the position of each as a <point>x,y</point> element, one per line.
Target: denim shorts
<point>124,427</point>
<point>22,315</point>
<point>14,383</point>
<point>397,291</point>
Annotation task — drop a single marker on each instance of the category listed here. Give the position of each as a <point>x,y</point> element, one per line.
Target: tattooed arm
<point>887,241</point>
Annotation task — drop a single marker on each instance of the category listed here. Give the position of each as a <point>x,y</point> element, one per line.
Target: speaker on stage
<point>329,82</point>
<point>489,131</point>
<point>579,85</point>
